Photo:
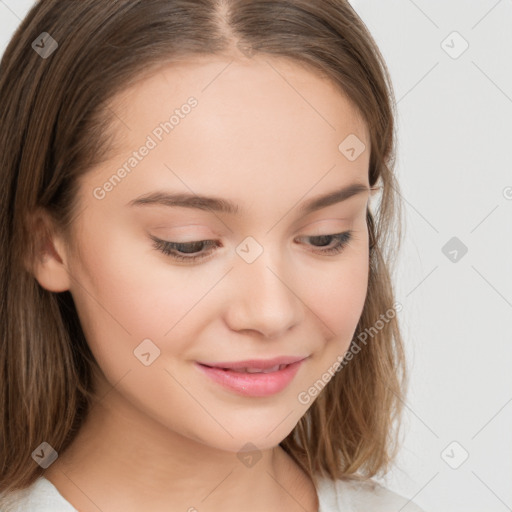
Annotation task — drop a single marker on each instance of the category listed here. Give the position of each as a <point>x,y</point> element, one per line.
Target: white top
<point>338,496</point>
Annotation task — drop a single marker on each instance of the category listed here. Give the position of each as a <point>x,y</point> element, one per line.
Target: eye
<point>341,241</point>
<point>176,250</point>
<point>179,250</point>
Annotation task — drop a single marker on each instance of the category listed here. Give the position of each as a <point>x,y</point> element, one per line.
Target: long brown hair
<point>55,127</point>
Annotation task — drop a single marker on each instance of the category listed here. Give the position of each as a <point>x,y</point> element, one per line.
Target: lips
<point>275,368</point>
<point>256,365</point>
<point>255,378</point>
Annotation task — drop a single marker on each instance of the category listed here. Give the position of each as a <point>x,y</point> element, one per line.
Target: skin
<point>165,436</point>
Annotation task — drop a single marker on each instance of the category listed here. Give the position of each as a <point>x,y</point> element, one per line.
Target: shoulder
<point>360,496</point>
<point>41,496</point>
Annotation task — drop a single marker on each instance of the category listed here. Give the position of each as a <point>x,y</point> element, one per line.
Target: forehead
<point>257,124</point>
<point>236,91</point>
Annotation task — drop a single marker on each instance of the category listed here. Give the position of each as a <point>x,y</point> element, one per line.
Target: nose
<point>263,298</point>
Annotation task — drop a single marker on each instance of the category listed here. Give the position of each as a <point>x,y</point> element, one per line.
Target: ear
<point>48,260</point>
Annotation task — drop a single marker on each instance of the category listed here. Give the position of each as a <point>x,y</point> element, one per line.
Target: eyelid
<point>312,227</point>
<point>343,239</point>
<point>199,230</point>
<point>319,217</point>
<point>317,228</point>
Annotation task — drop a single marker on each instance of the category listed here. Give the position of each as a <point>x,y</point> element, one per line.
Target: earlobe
<point>48,263</point>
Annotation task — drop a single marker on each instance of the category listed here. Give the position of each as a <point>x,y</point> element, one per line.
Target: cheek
<point>350,293</point>
<point>339,303</point>
<point>342,302</point>
<point>123,297</point>
<point>337,293</point>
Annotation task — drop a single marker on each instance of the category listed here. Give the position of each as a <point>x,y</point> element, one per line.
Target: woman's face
<point>264,135</point>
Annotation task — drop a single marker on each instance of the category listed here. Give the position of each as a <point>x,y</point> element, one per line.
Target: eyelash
<point>169,248</point>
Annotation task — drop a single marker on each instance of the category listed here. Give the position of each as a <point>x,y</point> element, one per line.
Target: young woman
<point>197,312</point>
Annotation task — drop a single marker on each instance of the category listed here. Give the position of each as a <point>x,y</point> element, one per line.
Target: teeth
<point>259,370</point>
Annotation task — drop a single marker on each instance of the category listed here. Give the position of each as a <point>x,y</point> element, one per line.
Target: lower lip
<point>253,384</point>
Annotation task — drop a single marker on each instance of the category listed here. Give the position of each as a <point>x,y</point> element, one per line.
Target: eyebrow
<point>162,198</point>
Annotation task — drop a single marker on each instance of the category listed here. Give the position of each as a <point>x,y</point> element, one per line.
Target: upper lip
<point>262,364</point>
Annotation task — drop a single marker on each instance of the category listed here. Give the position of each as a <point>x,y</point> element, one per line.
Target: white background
<point>454,166</point>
